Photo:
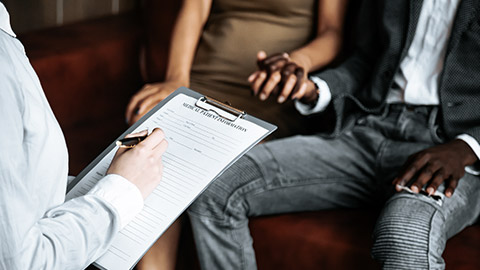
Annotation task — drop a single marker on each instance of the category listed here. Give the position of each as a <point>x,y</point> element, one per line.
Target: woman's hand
<point>142,165</point>
<point>149,96</point>
<point>281,76</point>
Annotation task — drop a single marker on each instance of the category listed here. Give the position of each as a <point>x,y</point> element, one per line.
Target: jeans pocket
<point>436,131</point>
<point>437,134</point>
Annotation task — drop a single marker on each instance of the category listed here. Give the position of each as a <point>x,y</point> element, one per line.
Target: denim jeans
<point>308,173</point>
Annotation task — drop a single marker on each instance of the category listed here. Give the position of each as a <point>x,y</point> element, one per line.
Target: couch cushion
<point>339,239</point>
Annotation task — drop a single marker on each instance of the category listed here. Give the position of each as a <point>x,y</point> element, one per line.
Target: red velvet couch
<point>89,71</point>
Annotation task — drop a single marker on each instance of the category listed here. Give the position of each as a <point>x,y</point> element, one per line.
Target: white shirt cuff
<point>324,98</point>
<point>474,169</point>
<point>122,194</point>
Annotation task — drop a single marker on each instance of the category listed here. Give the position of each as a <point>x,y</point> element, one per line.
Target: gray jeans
<point>307,173</point>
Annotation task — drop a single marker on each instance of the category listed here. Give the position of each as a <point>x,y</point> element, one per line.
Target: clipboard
<point>225,111</point>
<point>223,117</point>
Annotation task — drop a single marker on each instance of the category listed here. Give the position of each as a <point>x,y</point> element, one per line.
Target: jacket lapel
<point>465,13</point>
<point>414,13</point>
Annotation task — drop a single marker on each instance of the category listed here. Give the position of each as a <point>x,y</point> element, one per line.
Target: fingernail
<point>399,187</point>
<point>281,99</point>
<point>263,96</point>
<point>430,191</point>
<point>414,188</point>
<point>448,194</point>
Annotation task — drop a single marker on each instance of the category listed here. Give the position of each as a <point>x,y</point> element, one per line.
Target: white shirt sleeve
<point>39,229</point>
<point>474,169</point>
<point>324,98</point>
<point>122,194</point>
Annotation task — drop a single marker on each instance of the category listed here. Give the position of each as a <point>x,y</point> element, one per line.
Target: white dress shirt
<point>420,69</point>
<point>418,76</point>
<point>38,230</point>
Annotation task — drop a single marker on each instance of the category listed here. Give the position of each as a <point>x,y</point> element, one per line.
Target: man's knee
<point>225,196</point>
<point>405,232</point>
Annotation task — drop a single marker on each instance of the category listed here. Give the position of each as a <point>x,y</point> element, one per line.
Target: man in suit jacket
<point>406,137</point>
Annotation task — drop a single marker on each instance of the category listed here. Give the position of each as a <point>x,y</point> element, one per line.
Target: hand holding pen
<point>141,163</point>
<point>130,142</point>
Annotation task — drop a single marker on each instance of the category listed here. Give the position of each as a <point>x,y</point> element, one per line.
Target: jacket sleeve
<point>351,75</point>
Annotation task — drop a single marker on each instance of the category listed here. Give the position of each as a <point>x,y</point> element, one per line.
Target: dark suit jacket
<point>385,32</point>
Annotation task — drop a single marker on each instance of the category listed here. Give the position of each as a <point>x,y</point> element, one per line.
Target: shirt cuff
<point>472,142</point>
<point>324,98</point>
<point>122,194</point>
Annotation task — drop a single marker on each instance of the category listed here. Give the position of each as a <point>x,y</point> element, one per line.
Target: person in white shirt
<point>407,120</point>
<point>38,229</point>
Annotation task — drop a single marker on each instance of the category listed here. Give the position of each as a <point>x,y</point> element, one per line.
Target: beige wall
<point>27,15</point>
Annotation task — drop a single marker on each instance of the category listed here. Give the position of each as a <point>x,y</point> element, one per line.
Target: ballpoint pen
<point>130,142</point>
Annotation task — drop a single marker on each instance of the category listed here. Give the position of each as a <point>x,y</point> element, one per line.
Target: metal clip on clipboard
<point>221,109</point>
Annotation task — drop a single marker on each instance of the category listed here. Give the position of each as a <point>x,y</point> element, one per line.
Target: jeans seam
<point>271,187</point>
<point>243,190</point>
<point>210,219</point>
<point>320,178</point>
<point>233,236</point>
<point>436,213</point>
<point>380,152</point>
<point>275,161</point>
<point>429,243</point>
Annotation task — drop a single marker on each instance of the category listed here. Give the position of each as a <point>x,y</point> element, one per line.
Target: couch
<point>90,69</point>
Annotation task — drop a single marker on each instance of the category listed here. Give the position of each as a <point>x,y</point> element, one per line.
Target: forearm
<point>185,36</point>
<point>328,41</point>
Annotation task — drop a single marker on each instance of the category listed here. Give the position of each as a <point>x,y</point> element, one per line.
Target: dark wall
<point>27,15</point>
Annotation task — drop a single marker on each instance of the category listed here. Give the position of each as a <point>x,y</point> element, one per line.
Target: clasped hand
<point>279,75</point>
<point>433,166</point>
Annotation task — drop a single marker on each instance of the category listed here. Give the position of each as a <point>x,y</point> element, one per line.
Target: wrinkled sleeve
<point>69,236</point>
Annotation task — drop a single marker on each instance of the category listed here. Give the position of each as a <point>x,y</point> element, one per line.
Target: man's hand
<point>279,75</point>
<point>435,165</point>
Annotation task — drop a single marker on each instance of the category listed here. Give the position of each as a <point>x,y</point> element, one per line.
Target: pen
<point>130,142</point>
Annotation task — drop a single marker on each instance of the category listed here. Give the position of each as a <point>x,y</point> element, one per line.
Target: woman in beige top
<point>214,50</point>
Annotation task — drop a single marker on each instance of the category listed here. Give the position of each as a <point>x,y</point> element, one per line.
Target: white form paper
<point>201,145</point>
